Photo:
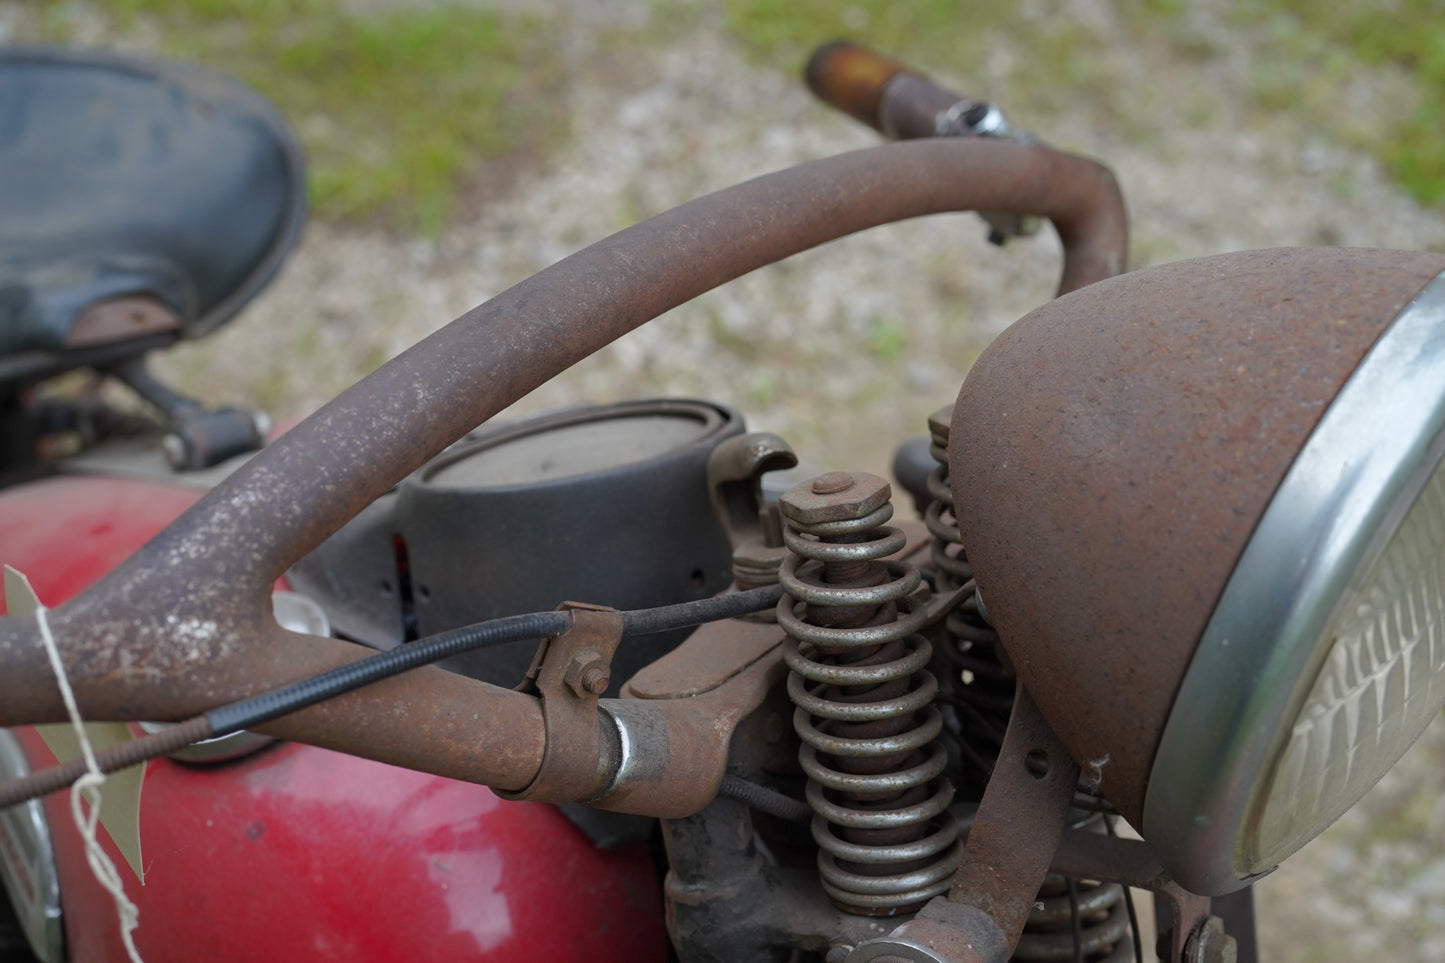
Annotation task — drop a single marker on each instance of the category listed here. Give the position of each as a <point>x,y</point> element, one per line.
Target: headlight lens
<point>1324,658</point>
<point>1380,685</point>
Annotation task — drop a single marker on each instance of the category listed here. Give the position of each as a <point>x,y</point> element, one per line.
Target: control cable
<point>295,696</point>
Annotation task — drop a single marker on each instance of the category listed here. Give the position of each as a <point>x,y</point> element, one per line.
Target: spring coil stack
<point>1071,920</point>
<point>865,713</point>
<point>1103,930</point>
<point>981,685</point>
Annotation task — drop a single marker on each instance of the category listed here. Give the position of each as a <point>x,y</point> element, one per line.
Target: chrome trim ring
<point>27,863</point>
<point>1347,492</point>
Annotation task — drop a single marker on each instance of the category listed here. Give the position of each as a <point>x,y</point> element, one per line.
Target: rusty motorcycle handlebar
<point>184,624</point>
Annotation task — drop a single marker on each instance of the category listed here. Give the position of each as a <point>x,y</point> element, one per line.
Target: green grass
<point>887,340</point>
<point>1310,58</point>
<point>937,36</point>
<point>1408,36</point>
<point>394,107</point>
<point>1306,57</point>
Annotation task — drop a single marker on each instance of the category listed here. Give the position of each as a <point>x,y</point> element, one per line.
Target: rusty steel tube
<point>183,625</point>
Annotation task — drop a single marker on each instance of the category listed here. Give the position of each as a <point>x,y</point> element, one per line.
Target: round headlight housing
<point>1324,659</point>
<point>1205,503</point>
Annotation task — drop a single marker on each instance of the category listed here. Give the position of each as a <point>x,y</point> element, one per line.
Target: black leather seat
<point>124,177</point>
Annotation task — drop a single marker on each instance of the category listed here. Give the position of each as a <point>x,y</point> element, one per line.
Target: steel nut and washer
<point>835,496</point>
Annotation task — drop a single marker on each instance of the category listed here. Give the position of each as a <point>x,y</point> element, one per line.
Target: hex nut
<point>588,674</point>
<point>940,423</point>
<point>804,505</point>
<point>1210,944</point>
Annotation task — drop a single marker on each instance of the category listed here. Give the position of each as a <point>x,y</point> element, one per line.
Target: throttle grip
<point>882,93</point>
<point>903,104</point>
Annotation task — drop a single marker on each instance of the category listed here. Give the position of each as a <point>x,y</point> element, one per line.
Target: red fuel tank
<point>296,852</point>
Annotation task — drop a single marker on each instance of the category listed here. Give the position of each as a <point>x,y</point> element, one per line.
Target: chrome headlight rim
<point>1341,501</point>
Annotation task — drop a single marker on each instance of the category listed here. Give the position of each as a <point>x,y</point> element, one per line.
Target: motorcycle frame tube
<point>193,604</point>
<point>1344,497</point>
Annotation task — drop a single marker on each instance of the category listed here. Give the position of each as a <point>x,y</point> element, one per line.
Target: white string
<point>87,788</point>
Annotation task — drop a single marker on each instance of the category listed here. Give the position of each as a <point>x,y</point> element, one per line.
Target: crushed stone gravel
<point>845,350</point>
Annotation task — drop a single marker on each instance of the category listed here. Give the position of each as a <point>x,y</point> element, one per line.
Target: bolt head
<point>1210,944</point>
<point>865,494</point>
<point>830,483</point>
<point>174,447</point>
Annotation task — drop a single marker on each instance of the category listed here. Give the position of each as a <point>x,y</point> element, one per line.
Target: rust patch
<point>1112,452</point>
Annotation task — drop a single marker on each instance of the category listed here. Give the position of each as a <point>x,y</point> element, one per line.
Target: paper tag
<point>120,808</point>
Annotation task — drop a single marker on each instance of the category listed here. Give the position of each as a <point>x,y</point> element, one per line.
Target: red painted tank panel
<point>301,853</point>
<point>65,533</point>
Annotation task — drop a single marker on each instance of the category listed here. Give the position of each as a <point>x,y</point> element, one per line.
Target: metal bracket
<point>754,529</point>
<point>942,932</point>
<point>734,478</point>
<point>1009,850</point>
<point>1019,835</point>
<point>1109,859</point>
<point>568,673</point>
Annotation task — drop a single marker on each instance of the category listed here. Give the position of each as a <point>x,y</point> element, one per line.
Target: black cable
<point>251,712</point>
<point>766,800</point>
<point>1129,905</point>
<point>667,617</point>
<point>1076,925</point>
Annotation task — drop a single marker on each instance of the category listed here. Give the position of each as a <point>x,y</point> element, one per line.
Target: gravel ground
<point>846,349</point>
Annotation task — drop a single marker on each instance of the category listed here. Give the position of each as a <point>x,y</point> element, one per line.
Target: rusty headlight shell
<point>1324,659</point>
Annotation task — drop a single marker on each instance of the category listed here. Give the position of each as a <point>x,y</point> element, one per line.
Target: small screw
<point>594,680</point>
<point>175,450</point>
<point>830,483</point>
<point>587,674</point>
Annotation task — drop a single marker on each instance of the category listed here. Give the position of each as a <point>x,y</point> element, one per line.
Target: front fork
<point>869,717</point>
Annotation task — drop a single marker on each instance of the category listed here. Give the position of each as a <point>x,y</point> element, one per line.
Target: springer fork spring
<point>981,685</point>
<point>865,712</point>
<point>1100,935</point>
<point>1072,920</point>
<point>947,549</point>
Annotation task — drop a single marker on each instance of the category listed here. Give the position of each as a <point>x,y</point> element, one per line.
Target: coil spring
<point>887,843</point>
<point>981,685</point>
<point>947,549</point>
<point>983,689</point>
<point>1103,931</point>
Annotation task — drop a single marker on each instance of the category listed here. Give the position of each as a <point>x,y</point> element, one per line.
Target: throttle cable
<point>253,711</point>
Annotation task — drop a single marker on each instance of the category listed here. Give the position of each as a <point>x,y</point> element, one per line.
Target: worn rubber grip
<point>850,78</point>
<point>882,93</point>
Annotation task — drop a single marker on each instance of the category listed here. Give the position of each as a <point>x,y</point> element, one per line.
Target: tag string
<point>86,792</point>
